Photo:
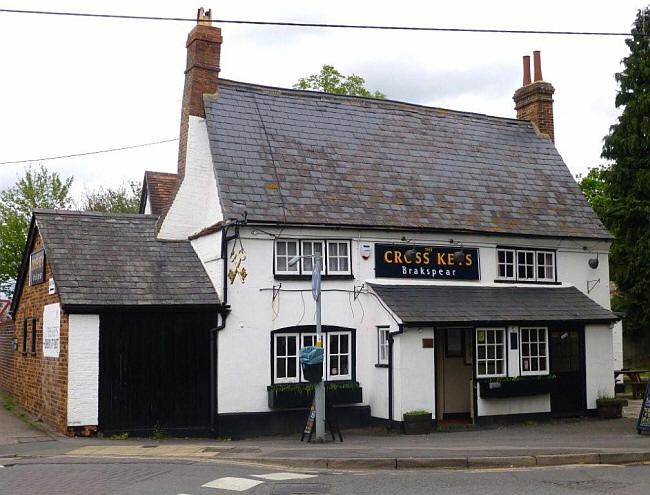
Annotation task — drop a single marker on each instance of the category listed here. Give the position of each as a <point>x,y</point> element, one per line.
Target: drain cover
<point>299,488</point>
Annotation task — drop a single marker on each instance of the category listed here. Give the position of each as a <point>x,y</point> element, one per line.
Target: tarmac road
<point>70,476</point>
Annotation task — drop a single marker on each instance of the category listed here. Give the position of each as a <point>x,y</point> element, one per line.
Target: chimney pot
<point>538,66</point>
<point>534,101</point>
<point>526,70</point>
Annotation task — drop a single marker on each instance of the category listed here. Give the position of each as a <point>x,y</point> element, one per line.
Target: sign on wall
<point>37,267</point>
<point>51,330</point>
<point>425,262</point>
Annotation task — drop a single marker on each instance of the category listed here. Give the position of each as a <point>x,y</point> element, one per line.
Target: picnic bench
<point>636,382</point>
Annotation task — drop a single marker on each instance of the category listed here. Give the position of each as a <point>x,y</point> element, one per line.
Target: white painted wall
<point>196,205</point>
<point>147,206</point>
<point>416,374</point>
<point>513,405</point>
<point>599,361</point>
<point>83,370</point>
<point>255,314</point>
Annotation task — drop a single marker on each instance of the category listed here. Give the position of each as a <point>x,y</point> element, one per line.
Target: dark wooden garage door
<point>154,370</point>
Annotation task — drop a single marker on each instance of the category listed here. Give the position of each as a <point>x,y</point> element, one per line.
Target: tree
<point>596,190</point>
<point>627,182</point>
<point>331,80</point>
<point>123,199</point>
<point>37,188</point>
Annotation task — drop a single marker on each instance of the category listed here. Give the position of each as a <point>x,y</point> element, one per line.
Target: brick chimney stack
<point>201,75</point>
<point>534,101</point>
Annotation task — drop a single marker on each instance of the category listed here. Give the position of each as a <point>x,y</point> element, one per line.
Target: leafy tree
<point>331,80</point>
<point>37,188</point>
<point>596,190</point>
<point>123,199</point>
<point>627,182</point>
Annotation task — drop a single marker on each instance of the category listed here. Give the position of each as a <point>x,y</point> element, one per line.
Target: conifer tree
<point>628,183</point>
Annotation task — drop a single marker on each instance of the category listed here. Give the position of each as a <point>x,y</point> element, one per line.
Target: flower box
<point>291,396</point>
<point>417,423</point>
<point>610,407</point>
<point>499,389</point>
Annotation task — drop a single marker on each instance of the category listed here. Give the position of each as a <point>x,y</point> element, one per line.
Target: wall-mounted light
<point>459,253</point>
<point>14,343</point>
<point>593,262</point>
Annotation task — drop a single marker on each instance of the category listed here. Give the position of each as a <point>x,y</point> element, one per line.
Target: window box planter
<point>610,407</point>
<point>417,423</point>
<point>521,387</point>
<point>292,396</point>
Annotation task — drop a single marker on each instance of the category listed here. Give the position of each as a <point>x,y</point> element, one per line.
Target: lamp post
<point>319,388</point>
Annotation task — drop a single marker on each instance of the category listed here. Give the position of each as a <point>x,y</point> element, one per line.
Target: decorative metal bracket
<point>276,291</point>
<point>357,291</point>
<point>591,284</point>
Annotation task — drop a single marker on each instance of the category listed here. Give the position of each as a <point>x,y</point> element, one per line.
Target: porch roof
<point>443,304</point>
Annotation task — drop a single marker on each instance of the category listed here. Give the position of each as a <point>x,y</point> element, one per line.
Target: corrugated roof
<point>101,259</point>
<point>313,158</point>
<point>470,304</point>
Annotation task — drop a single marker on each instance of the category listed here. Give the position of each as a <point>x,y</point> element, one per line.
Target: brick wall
<point>40,384</point>
<point>6,355</point>
<point>534,102</point>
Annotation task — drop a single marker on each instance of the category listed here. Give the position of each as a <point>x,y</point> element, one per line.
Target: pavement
<point>534,443</point>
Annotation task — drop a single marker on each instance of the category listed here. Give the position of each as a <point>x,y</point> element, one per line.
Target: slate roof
<point>471,304</point>
<point>159,186</point>
<point>100,259</point>
<point>313,158</point>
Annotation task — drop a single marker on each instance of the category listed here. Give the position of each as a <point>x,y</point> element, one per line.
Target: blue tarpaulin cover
<point>311,355</point>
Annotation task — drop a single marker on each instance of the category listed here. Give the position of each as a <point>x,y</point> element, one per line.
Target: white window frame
<point>295,270</point>
<point>286,379</point>
<point>536,356</point>
<point>537,266</point>
<point>486,360</point>
<point>349,257</point>
<point>383,334</point>
<point>306,270</point>
<point>525,265</point>
<point>505,263</point>
<point>347,376</point>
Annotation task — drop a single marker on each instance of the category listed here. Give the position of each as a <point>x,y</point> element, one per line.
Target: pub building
<point>463,271</point>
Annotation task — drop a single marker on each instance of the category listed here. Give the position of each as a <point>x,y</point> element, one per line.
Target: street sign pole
<point>319,389</point>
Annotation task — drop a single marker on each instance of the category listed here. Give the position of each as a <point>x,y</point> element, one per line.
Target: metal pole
<point>319,389</point>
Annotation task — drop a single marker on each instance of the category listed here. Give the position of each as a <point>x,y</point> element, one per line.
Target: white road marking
<point>284,476</point>
<point>234,484</point>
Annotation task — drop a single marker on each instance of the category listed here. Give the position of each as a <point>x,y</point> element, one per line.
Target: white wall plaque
<point>51,288</point>
<point>51,330</point>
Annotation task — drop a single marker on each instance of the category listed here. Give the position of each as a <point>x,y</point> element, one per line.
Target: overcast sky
<point>72,85</point>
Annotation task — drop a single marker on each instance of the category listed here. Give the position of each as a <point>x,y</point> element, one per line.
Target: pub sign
<point>425,262</point>
<point>37,267</point>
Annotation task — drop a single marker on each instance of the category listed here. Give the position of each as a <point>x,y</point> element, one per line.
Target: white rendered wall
<point>599,361</point>
<point>416,377</point>
<point>255,313</point>
<point>513,405</point>
<point>83,370</point>
<point>196,205</point>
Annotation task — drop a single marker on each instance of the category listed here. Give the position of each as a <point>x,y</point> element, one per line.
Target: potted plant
<point>343,393</point>
<point>417,422</point>
<point>610,407</point>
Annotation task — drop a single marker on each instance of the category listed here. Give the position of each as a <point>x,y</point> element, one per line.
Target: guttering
<point>390,373</point>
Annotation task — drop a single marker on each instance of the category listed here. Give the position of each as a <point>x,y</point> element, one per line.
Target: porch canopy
<point>444,304</point>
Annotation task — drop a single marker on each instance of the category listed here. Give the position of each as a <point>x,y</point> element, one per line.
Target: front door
<point>567,363</point>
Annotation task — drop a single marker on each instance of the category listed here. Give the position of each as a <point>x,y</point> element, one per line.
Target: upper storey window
<point>334,255</point>
<point>527,265</point>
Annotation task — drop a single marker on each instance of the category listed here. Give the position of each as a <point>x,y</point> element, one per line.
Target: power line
<point>90,152</point>
<point>323,25</point>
